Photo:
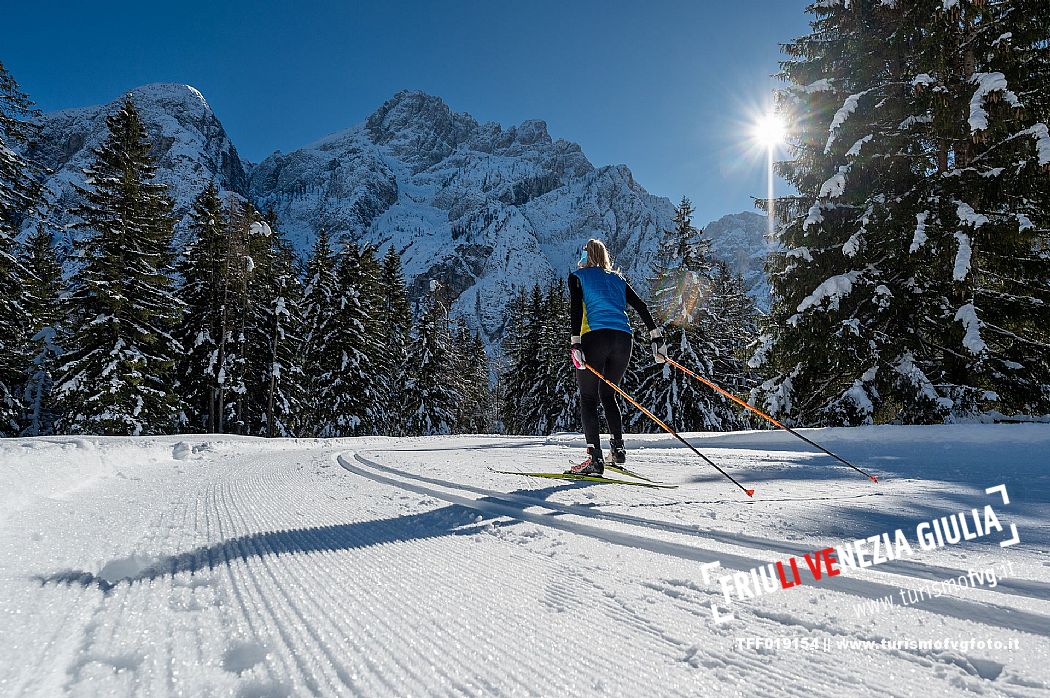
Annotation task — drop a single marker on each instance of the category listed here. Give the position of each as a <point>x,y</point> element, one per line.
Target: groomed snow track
<point>380,567</point>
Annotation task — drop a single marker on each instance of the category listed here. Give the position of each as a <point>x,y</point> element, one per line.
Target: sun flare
<point>769,130</point>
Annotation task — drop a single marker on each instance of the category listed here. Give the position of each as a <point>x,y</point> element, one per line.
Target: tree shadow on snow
<point>451,520</point>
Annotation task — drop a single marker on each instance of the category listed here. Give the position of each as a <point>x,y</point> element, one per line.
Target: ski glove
<point>659,345</point>
<point>578,359</point>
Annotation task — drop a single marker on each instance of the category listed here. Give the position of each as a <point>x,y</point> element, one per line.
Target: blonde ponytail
<point>598,255</point>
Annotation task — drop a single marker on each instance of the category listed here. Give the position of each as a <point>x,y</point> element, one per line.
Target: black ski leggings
<point>609,351</point>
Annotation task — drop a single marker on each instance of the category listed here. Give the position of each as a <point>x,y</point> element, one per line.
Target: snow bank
<point>57,467</point>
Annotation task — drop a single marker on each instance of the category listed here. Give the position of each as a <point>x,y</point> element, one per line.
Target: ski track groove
<point>906,568</point>
<point>660,638</point>
<point>316,618</point>
<point>809,672</point>
<point>253,561</point>
<point>1024,621</point>
<point>774,624</point>
<point>292,606</point>
<point>244,594</point>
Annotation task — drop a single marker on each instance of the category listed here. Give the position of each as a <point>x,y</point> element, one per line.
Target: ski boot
<point>617,453</point>
<point>593,466</point>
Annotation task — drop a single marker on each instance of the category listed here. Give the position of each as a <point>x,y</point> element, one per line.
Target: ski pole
<point>669,430</point>
<point>734,398</point>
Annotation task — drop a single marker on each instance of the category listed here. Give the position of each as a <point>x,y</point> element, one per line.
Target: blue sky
<point>664,87</point>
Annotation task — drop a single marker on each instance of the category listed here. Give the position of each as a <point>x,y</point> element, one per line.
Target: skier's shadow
<point>451,520</point>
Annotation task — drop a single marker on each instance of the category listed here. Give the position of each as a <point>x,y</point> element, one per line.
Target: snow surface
<point>404,567</point>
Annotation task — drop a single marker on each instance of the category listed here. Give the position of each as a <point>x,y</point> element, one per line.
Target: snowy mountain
<point>191,146</point>
<point>742,241</point>
<point>482,208</point>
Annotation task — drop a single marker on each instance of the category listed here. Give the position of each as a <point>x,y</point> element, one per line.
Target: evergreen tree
<point>375,309</point>
<point>511,381</point>
<point>555,393</point>
<point>431,395</point>
<point>319,305</point>
<point>520,410</point>
<point>205,292</point>
<point>352,391</point>
<point>912,286</point>
<point>19,194</point>
<point>472,370</point>
<point>732,328</point>
<point>44,292</point>
<point>985,262</point>
<point>276,376</point>
<point>234,373</point>
<point>117,375</point>
<point>685,299</point>
<point>396,325</point>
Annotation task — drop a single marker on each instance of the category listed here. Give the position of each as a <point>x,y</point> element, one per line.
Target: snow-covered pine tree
<point>981,97</point>
<point>117,375</point>
<point>19,190</point>
<point>732,329</point>
<point>319,358</point>
<point>44,286</point>
<point>374,305</point>
<point>517,352</point>
<point>275,333</point>
<point>876,315</point>
<point>205,292</point>
<point>555,394</point>
<point>431,394</point>
<point>836,345</point>
<point>682,289</point>
<point>521,410</point>
<point>396,325</point>
<point>472,368</point>
<point>352,390</point>
<point>234,375</point>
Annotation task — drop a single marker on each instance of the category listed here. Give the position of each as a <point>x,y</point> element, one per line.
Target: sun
<point>769,130</point>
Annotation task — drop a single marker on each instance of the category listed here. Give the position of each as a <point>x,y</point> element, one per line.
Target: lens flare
<point>769,130</point>
<point>680,295</point>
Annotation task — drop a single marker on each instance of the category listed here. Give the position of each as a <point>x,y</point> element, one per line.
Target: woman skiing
<point>601,339</point>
